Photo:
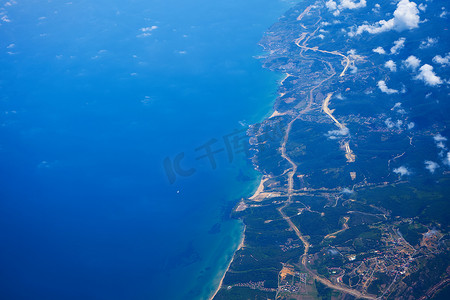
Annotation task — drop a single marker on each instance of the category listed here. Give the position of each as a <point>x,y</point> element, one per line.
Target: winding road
<point>294,167</point>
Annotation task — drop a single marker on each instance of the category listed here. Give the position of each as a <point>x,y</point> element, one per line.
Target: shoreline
<point>256,194</point>
<point>260,189</point>
<point>240,246</point>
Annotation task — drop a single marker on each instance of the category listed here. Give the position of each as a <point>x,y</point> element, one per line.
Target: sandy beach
<point>241,245</point>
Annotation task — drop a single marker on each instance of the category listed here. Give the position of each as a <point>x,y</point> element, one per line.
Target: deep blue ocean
<point>94,96</point>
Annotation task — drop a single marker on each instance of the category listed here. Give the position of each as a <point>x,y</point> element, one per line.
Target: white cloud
<point>431,166</point>
<point>390,64</point>
<point>379,50</point>
<point>427,75</point>
<point>146,31</point>
<point>412,62</point>
<point>441,145</point>
<point>349,4</point>
<point>422,7</point>
<point>5,19</point>
<point>389,123</point>
<point>334,134</point>
<point>411,125</point>
<point>331,5</point>
<point>406,17</point>
<point>398,45</point>
<point>376,8</point>
<point>445,61</point>
<point>402,171</point>
<point>343,5</point>
<point>383,87</point>
<point>347,191</point>
<point>429,42</point>
<point>439,138</point>
<point>447,159</point>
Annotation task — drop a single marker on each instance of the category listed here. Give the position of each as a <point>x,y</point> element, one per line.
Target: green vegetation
<point>243,293</point>
<point>429,202</point>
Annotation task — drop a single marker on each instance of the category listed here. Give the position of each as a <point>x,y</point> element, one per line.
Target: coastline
<point>260,186</point>
<point>259,190</point>
<point>241,245</point>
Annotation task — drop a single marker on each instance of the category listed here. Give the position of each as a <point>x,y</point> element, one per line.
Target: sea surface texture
<point>107,112</point>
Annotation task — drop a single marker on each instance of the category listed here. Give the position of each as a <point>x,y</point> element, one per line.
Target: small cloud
<point>431,166</point>
<point>5,19</point>
<point>10,3</point>
<point>439,138</point>
<point>389,123</point>
<point>146,31</point>
<point>349,4</point>
<point>347,191</point>
<point>398,45</point>
<point>445,61</point>
<point>402,171</point>
<point>427,75</point>
<point>397,105</point>
<point>406,17</point>
<point>47,165</point>
<point>429,42</point>
<point>43,164</point>
<point>146,34</point>
<point>383,87</point>
<point>146,101</point>
<point>331,5</point>
<point>412,62</point>
<point>390,64</point>
<point>335,134</point>
<point>379,50</point>
<point>10,46</point>
<point>411,125</point>
<point>343,5</point>
<point>422,7</point>
<point>376,8</point>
